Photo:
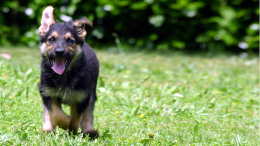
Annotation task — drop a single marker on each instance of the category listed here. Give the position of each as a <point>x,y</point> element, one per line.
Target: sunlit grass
<point>143,98</point>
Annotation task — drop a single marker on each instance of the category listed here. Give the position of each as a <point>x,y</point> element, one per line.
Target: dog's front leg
<point>57,114</point>
<point>48,125</point>
<point>75,116</point>
<point>87,119</point>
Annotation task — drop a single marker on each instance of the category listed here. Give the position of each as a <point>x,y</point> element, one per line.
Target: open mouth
<point>59,64</point>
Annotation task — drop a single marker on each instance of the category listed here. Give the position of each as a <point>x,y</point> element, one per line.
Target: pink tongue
<point>59,65</point>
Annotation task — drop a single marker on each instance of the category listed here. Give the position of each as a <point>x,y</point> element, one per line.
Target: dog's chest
<point>67,95</point>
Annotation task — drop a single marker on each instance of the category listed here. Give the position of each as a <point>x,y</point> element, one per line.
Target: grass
<point>179,99</point>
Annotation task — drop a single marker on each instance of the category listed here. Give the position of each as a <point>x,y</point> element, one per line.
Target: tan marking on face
<point>58,116</point>
<point>49,47</point>
<point>75,119</point>
<point>71,48</point>
<point>55,34</point>
<point>69,36</point>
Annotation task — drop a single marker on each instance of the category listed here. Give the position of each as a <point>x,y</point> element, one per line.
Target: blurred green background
<point>202,25</point>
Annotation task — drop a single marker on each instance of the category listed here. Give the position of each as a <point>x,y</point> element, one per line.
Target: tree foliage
<point>153,24</point>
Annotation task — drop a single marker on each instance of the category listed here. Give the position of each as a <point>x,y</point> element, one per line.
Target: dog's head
<point>61,43</point>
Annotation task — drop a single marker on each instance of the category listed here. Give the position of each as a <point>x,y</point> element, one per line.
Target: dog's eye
<point>70,41</point>
<point>51,39</point>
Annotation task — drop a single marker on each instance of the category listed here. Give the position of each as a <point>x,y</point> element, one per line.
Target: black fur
<point>80,75</point>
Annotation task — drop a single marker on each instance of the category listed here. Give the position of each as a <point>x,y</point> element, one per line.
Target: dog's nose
<point>59,51</point>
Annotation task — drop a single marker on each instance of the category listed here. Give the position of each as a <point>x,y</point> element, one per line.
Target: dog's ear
<point>47,20</point>
<point>80,26</point>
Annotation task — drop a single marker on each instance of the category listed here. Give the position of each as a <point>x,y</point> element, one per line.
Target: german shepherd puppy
<point>69,73</point>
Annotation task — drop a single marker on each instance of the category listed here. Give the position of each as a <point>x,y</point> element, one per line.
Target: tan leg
<point>87,122</point>
<point>75,119</point>
<point>58,116</point>
<point>48,125</point>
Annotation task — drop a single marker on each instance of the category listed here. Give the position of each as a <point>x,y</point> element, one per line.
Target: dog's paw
<point>91,134</point>
<point>48,127</point>
<point>49,131</point>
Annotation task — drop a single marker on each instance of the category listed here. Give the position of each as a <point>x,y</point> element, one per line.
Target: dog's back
<point>69,72</point>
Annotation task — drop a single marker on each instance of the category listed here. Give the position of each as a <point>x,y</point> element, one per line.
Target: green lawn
<point>181,99</point>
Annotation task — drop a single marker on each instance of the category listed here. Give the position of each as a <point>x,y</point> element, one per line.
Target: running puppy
<point>69,73</point>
